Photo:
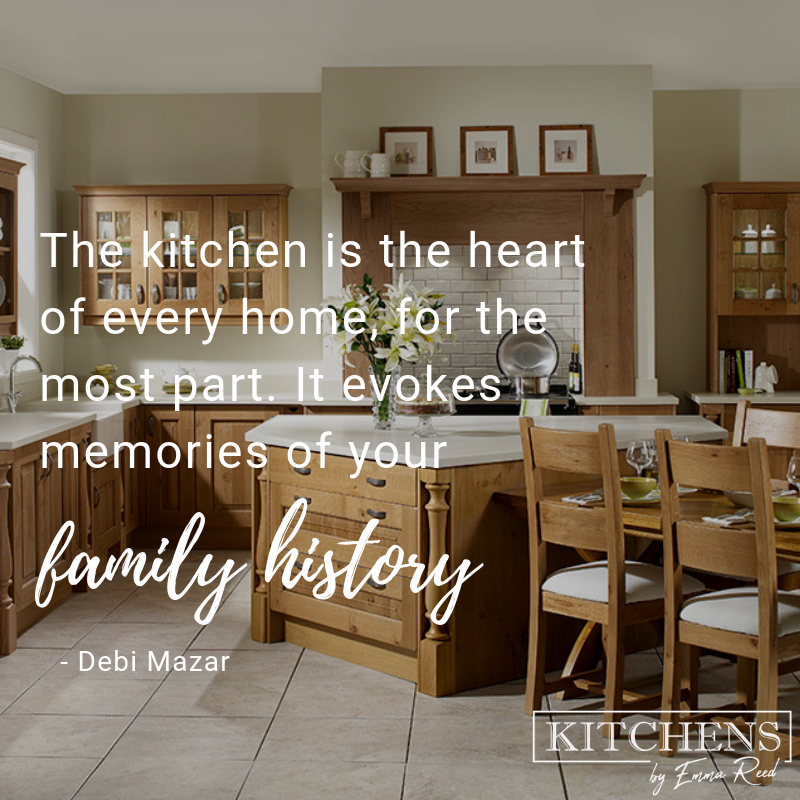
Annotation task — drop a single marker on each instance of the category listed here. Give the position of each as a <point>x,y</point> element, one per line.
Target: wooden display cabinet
<point>251,214</point>
<point>753,261</point>
<point>9,172</point>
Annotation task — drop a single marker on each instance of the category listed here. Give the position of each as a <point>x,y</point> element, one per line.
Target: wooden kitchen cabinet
<point>387,627</point>
<point>106,506</point>
<point>182,283</point>
<point>753,275</point>
<point>9,172</point>
<point>252,220</point>
<point>108,281</point>
<point>42,500</point>
<point>250,214</point>
<point>224,493</point>
<point>169,492</point>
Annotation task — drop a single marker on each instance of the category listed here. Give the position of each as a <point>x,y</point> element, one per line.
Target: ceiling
<point>95,46</point>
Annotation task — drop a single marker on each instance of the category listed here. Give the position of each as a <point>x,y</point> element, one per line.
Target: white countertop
<point>470,440</point>
<point>760,398</point>
<point>661,399</point>
<point>23,428</point>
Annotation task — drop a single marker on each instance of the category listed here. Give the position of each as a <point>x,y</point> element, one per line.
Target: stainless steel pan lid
<point>526,354</point>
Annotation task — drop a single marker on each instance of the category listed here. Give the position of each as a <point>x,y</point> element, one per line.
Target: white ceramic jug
<point>380,164</point>
<point>766,378</point>
<point>349,162</point>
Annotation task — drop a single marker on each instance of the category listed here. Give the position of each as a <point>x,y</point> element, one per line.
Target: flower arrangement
<point>389,336</point>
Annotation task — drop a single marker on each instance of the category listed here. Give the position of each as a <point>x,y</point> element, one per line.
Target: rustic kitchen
<point>356,431</point>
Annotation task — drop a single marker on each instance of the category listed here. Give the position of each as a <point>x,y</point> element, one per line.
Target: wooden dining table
<point>641,522</point>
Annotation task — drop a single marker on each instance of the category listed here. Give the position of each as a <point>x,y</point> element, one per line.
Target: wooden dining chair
<point>612,592</point>
<point>759,625</point>
<point>781,431</point>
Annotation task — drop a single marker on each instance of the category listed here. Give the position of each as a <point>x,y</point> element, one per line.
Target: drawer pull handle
<point>376,514</point>
<point>303,470</point>
<point>375,585</point>
<point>300,497</point>
<point>376,482</point>
<point>794,293</point>
<point>96,492</point>
<point>298,565</point>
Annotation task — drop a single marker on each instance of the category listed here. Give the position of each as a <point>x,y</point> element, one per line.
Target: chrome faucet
<point>12,395</point>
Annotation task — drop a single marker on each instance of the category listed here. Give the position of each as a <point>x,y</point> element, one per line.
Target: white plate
<point>788,526</point>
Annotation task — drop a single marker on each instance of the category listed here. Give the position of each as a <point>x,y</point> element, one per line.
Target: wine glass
<point>793,473</point>
<point>639,456</point>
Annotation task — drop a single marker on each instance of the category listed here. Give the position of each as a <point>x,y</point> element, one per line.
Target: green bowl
<point>787,508</point>
<point>637,488</point>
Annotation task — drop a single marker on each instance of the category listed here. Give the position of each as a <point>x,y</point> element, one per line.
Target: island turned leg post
<point>436,674</point>
<point>265,624</point>
<point>8,613</point>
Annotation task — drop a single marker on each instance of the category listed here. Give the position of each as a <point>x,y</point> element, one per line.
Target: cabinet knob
<point>376,514</point>
<point>221,294</point>
<point>375,585</point>
<point>156,294</point>
<point>379,482</point>
<point>303,470</point>
<point>151,425</point>
<point>300,497</point>
<point>96,496</point>
<point>794,293</point>
<point>140,295</point>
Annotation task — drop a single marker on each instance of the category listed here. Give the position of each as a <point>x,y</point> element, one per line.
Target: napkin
<point>584,499</point>
<point>728,520</point>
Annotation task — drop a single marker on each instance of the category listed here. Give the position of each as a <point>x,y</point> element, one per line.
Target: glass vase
<point>384,396</point>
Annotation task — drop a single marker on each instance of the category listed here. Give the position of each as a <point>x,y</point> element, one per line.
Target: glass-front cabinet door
<point>183,225</point>
<point>113,275</point>
<point>8,245</point>
<point>760,258</point>
<point>252,223</point>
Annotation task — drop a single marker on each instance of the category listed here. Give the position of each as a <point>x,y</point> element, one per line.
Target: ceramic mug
<point>380,164</point>
<point>349,162</point>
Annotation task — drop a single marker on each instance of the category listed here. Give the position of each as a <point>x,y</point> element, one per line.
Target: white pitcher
<point>349,162</point>
<point>380,164</point>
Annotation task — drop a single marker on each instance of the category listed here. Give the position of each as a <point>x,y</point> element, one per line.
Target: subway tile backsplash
<point>558,292</point>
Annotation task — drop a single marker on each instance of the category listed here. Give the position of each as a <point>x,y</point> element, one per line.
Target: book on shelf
<point>735,371</point>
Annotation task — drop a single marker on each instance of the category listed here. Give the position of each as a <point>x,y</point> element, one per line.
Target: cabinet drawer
<point>336,518</point>
<point>395,485</point>
<point>381,613</point>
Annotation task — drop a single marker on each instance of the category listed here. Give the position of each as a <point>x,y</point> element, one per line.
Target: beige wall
<point>130,139</point>
<point>29,109</point>
<point>356,102</point>
<point>696,140</point>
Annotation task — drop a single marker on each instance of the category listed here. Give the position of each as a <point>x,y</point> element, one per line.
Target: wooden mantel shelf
<point>608,184</point>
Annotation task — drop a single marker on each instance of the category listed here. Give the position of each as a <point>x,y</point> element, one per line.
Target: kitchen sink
<point>108,427</point>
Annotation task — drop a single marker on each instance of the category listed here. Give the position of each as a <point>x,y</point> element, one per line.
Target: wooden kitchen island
<point>429,510</point>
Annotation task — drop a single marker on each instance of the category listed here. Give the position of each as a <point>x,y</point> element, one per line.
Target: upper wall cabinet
<point>9,170</point>
<point>754,249</point>
<point>159,234</point>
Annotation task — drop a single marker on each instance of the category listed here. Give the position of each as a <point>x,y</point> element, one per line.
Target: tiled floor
<point>280,723</point>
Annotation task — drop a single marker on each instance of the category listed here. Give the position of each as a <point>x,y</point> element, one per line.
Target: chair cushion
<point>787,567</point>
<point>590,582</point>
<point>736,610</point>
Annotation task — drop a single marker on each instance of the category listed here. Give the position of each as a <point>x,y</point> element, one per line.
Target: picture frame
<point>566,149</point>
<point>487,150</point>
<point>410,148</point>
